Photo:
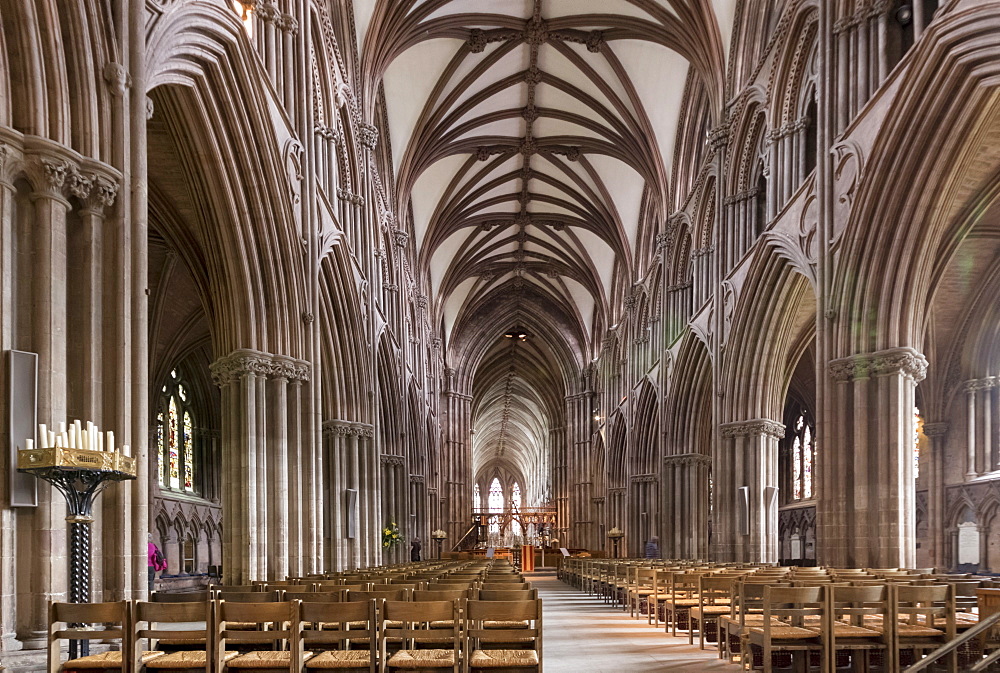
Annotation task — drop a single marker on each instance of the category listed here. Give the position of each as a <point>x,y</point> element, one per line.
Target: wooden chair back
<point>513,595</point>
<point>91,621</point>
<point>390,595</point>
<point>422,595</point>
<point>189,597</point>
<point>249,597</point>
<point>324,626</point>
<point>274,630</point>
<point>147,618</point>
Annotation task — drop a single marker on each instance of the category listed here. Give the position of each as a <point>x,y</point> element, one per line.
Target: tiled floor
<point>582,634</point>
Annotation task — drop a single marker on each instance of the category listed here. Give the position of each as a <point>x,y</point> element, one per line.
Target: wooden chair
<point>514,595</point>
<point>234,588</point>
<point>660,595</point>
<point>188,597</point>
<point>92,622</point>
<point>639,588</point>
<point>792,622</point>
<point>336,631</point>
<point>715,593</point>
<point>191,646</point>
<point>515,625</point>
<point>923,619</point>
<point>857,617</point>
<point>410,624</point>
<point>440,594</point>
<point>682,595</point>
<point>274,637</point>
<point>388,595</point>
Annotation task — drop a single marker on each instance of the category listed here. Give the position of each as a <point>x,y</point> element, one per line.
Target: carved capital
<point>401,237</point>
<point>904,361</point>
<point>244,361</point>
<point>986,383</point>
<point>936,429</point>
<point>756,426</point>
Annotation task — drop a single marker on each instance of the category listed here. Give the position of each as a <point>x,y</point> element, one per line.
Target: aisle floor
<point>582,633</point>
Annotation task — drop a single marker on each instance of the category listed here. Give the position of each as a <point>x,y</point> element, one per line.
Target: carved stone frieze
<point>903,360</point>
<point>688,459</point>
<point>939,429</point>
<point>392,459</point>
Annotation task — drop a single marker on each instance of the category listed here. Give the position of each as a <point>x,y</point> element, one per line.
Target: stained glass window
<point>807,463</point>
<point>176,468</point>
<point>803,455</point>
<point>159,443</point>
<point>918,429</point>
<point>477,498</point>
<point>188,453</point>
<point>495,502</point>
<point>797,469</point>
<point>173,444</point>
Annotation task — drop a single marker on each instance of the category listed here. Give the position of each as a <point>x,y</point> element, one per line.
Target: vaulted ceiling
<point>532,143</point>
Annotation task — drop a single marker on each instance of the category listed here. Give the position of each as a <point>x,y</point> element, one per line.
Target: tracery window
<point>495,503</point>
<point>477,498</point>
<point>918,428</point>
<point>803,457</point>
<point>515,502</point>
<point>175,437</point>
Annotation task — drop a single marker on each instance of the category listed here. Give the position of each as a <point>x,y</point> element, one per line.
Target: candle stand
<point>439,536</point>
<point>80,475</point>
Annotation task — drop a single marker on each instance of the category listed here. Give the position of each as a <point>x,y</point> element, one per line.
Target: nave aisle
<point>584,635</point>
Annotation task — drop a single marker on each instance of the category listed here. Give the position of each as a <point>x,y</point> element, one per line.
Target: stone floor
<point>582,633</point>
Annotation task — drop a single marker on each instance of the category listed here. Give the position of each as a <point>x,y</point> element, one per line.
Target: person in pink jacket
<point>155,560</point>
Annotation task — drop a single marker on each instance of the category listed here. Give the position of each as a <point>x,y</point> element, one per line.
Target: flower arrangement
<point>391,536</point>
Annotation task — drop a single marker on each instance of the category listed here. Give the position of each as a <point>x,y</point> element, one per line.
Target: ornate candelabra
<point>80,474</point>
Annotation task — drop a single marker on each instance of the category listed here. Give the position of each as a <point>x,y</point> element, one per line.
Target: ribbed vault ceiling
<point>532,141</point>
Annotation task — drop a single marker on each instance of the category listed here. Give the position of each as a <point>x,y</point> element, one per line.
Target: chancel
<point>672,324</point>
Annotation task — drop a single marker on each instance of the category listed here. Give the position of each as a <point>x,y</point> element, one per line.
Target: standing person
<point>154,560</point>
<point>415,547</point>
<point>653,547</point>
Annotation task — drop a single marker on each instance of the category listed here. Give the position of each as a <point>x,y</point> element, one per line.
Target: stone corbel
<point>756,426</point>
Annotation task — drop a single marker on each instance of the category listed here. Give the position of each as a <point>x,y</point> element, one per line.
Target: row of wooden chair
<point>370,635</point>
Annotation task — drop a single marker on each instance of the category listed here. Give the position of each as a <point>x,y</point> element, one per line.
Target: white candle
<point>29,444</point>
<point>100,442</point>
<point>52,439</point>
<point>62,427</point>
<point>71,438</point>
<point>126,450</point>
<point>43,436</point>
<point>111,441</point>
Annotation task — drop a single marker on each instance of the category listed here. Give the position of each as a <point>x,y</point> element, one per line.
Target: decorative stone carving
<point>79,185</point>
<point>117,78</point>
<point>400,237</point>
<point>688,459</point>
<point>881,363</point>
<point>368,135</point>
<point>477,41</point>
<point>340,428</point>
<point>55,173</point>
<point>595,41</point>
<point>939,429</point>
<point>391,459</point>
<point>643,478</point>
<point>982,384</point>
<point>231,368</point>
<point>757,426</point>
<point>353,199</point>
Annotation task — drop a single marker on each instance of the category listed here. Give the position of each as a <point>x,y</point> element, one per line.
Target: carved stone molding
<point>718,138</point>
<point>243,361</point>
<point>597,501</point>
<point>117,77</point>
<point>416,478</point>
<point>391,459</point>
<point>906,361</point>
<point>620,490</point>
<point>756,426</point>
<point>401,237</point>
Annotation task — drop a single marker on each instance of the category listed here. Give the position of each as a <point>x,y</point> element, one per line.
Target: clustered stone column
<point>983,428</point>
<point>685,487</point>
<point>867,512</point>
<point>354,467</point>
<point>937,434</point>
<point>580,514</point>
<point>748,457</point>
<point>257,422</point>
<point>456,468</point>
